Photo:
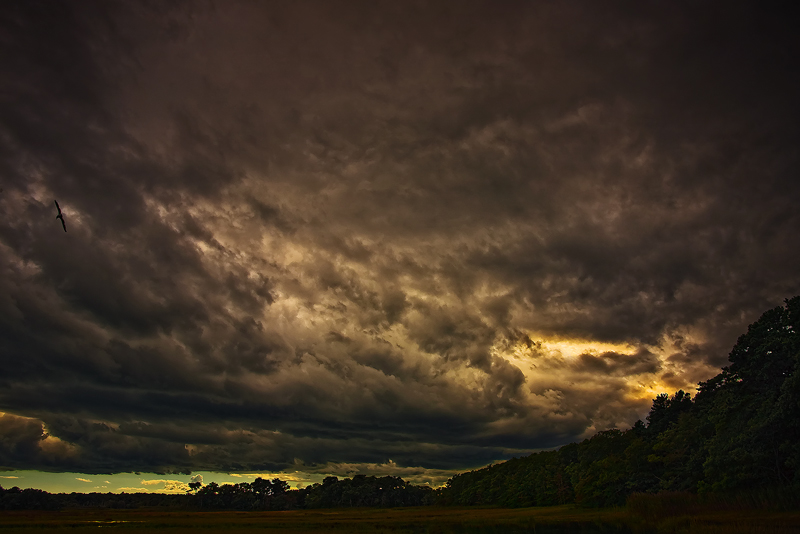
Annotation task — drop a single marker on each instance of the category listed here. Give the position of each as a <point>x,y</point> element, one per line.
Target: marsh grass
<point>663,515</point>
<point>424,520</point>
<point>757,511</point>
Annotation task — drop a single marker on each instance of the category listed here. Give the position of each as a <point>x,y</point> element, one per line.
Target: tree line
<point>359,491</point>
<point>741,432</point>
<point>261,494</point>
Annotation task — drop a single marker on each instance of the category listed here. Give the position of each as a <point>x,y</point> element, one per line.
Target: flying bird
<point>60,216</point>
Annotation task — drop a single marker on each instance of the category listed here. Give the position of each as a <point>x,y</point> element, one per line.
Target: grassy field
<point>548,520</point>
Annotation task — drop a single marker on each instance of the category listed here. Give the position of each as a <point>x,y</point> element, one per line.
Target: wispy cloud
<point>169,486</point>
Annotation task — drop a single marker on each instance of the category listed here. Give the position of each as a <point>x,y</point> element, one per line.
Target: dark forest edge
<point>735,444</point>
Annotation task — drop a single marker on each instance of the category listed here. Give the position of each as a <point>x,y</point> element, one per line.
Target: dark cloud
<point>613,364</point>
<point>24,443</point>
<point>354,237</point>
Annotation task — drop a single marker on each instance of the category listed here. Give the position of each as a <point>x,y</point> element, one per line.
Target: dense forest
<point>741,432</point>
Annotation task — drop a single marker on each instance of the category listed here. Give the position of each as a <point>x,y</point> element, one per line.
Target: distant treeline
<point>360,491</point>
<point>36,499</point>
<point>740,434</point>
<point>261,494</point>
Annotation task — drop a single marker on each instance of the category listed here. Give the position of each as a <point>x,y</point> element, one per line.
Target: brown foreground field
<point>433,520</point>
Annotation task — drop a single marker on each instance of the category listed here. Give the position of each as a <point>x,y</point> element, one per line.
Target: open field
<point>546,520</point>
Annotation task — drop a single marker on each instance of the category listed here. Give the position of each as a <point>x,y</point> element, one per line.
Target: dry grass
<point>396,520</point>
<point>425,520</point>
<point>688,513</point>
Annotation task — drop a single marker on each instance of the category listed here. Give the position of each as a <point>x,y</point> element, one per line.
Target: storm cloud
<point>348,237</point>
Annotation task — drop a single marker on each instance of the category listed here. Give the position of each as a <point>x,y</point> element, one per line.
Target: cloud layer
<point>329,234</point>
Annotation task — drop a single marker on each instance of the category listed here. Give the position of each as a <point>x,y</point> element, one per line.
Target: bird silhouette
<point>60,216</point>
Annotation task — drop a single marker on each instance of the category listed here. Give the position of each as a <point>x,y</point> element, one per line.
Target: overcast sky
<point>383,237</point>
